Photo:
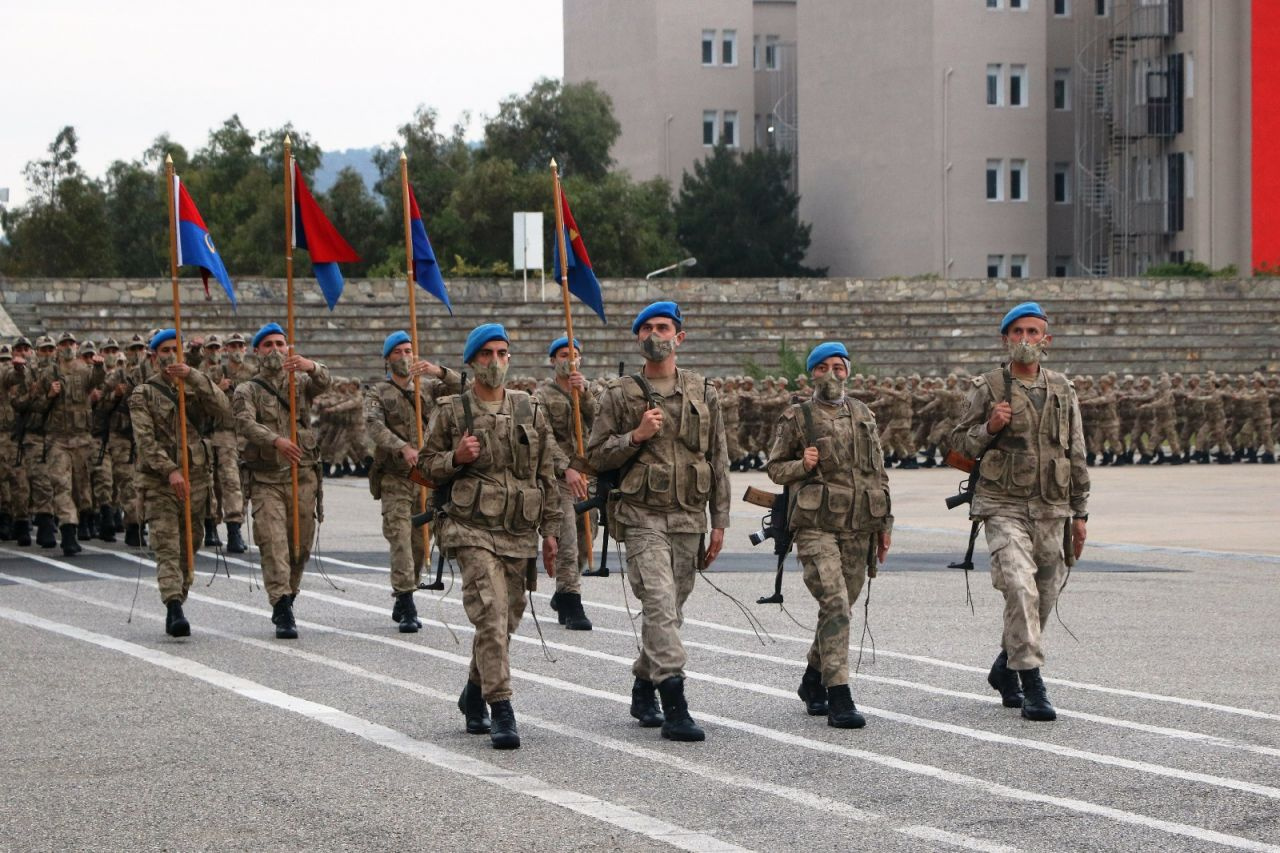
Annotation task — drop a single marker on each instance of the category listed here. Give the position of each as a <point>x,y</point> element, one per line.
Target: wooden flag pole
<point>171,189</point>
<point>568,330</point>
<point>293,388</point>
<point>411,280</point>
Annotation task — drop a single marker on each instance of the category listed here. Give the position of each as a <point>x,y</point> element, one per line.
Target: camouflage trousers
<point>282,566</point>
<point>228,495</point>
<point>1212,432</point>
<point>896,439</point>
<point>835,569</point>
<point>1027,565</point>
<point>1255,430</point>
<point>162,510</point>
<point>1159,431</point>
<point>113,479</point>
<point>400,502</point>
<point>67,463</point>
<point>1104,435</point>
<point>661,567</point>
<point>17,496</point>
<point>40,486</point>
<point>731,439</point>
<point>493,598</point>
<point>568,574</point>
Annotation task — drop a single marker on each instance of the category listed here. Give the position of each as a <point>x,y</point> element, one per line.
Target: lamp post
<point>687,262</point>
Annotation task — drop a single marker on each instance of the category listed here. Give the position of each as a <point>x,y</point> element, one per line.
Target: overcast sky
<point>348,73</point>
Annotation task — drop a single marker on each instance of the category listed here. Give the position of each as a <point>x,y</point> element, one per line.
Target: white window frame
<point>1066,9</point>
<point>729,121</point>
<point>712,118</point>
<point>1016,261</point>
<point>771,53</point>
<point>1189,173</point>
<point>1065,260</point>
<point>708,38</point>
<point>1019,168</point>
<point>1063,169</point>
<point>1018,5</point>
<point>755,53</point>
<point>996,167</point>
<point>729,39</point>
<point>1062,83</point>
<point>1188,75</point>
<point>1001,269</point>
<point>1019,73</point>
<point>995,5</point>
<point>995,71</point>
<point>1105,11</point>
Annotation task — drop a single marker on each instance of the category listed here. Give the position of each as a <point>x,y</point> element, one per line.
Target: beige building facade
<point>956,138</point>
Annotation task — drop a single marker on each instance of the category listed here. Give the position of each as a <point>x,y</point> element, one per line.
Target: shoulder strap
<point>522,410</point>
<point>810,434</point>
<point>650,395</point>
<point>262,383</point>
<point>468,417</point>
<point>163,389</point>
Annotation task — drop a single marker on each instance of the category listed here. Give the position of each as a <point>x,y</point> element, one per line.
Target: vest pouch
<point>463,496</point>
<point>1022,474</point>
<point>528,510</point>
<point>994,463</point>
<point>695,485</point>
<point>632,484</point>
<point>1058,479</point>
<point>808,503</point>
<point>877,503</point>
<point>695,426</point>
<point>868,447</point>
<point>837,507</point>
<point>1062,422</point>
<point>488,457</point>
<point>658,481</point>
<point>829,461</point>
<point>524,440</point>
<point>491,505</point>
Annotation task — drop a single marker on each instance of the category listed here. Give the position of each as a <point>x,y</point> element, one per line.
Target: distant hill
<point>333,162</point>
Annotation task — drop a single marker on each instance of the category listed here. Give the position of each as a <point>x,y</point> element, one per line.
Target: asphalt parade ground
<point>118,737</point>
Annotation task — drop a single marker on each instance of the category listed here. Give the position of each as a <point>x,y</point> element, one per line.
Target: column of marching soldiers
<point>88,438</point>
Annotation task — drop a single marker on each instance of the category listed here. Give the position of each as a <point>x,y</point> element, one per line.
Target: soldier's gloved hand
<point>810,458</point>
<point>1000,417</point>
<point>550,547</point>
<point>178,484</point>
<point>577,484</point>
<point>650,425</point>
<point>467,451</point>
<point>410,454</point>
<point>714,544</point>
<point>288,449</point>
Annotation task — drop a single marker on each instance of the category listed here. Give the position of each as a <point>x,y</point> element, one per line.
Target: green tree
<point>628,227</point>
<point>359,218</point>
<point>571,122</point>
<point>736,214</point>
<point>138,213</point>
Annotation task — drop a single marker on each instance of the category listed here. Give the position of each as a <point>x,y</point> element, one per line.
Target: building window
<point>771,53</point>
<point>993,4</point>
<point>708,47</point>
<point>1061,266</point>
<point>709,127</point>
<point>1062,183</point>
<point>1102,8</point>
<point>1062,88</point>
<point>1062,8</point>
<point>1189,176</point>
<point>1017,180</point>
<point>1017,4</point>
<point>995,180</point>
<point>1018,266</point>
<point>729,48</point>
<point>995,266</point>
<point>730,132</point>
<point>995,86</point>
<point>755,53</point>
<point>1017,85</point>
<point>1188,75</point>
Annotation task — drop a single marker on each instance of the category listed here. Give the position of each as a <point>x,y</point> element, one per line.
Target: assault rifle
<point>435,507</point>
<point>607,483</point>
<point>773,526</point>
<point>970,467</point>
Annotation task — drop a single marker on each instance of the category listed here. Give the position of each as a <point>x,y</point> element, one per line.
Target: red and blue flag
<point>313,231</point>
<point>426,271</point>
<point>582,278</point>
<point>195,246</point>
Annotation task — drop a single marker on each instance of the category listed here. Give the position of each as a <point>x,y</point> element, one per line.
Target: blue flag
<point>195,246</point>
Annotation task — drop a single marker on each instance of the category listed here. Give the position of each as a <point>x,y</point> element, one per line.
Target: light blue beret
<point>657,309</point>
<point>160,337</point>
<point>824,351</point>
<point>394,340</point>
<point>1026,309</point>
<point>480,336</point>
<point>562,341</point>
<point>269,329</point>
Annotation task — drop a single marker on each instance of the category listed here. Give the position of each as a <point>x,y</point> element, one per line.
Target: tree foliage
<point>572,122</point>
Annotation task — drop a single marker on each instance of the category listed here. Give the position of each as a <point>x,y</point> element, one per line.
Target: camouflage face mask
<point>166,360</point>
<point>657,349</point>
<point>564,368</point>
<point>492,374</point>
<point>1027,353</point>
<point>400,367</point>
<point>272,362</point>
<point>829,388</point>
<point>236,357</point>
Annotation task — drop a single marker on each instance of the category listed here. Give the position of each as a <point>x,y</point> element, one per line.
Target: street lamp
<point>687,262</point>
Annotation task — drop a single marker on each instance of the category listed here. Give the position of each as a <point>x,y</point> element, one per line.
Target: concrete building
<point>959,138</point>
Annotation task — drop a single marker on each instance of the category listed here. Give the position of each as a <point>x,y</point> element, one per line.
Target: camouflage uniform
<point>15,511</point>
<point>555,402</point>
<point>228,491</point>
<point>113,481</point>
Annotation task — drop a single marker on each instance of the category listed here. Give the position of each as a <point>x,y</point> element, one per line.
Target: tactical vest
<point>273,412</point>
<point>1030,456</point>
<point>162,401</point>
<point>399,412</point>
<point>69,415</point>
<point>844,492</point>
<point>672,470</point>
<point>500,489</point>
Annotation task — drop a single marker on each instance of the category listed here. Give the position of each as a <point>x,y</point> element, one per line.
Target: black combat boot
<point>1225,458</point>
<point>211,539</point>
<point>503,732</point>
<point>409,623</point>
<point>325,469</point>
<point>678,724</point>
<point>471,704</point>
<point>70,546</point>
<point>1005,681</point>
<point>1268,458</point>
<point>133,535</point>
<point>1175,459</point>
<point>1090,459</point>
<point>1108,457</point>
<point>644,704</point>
<point>841,712</point>
<point>282,616</point>
<point>908,464</point>
<point>22,532</point>
<point>235,542</point>
<point>930,457</point>
<point>119,517</point>
<point>106,524</point>
<point>176,624</point>
<point>46,530</point>
<point>569,607</point>
<point>812,693</point>
<point>6,527</point>
<point>1036,705</point>
<point>84,530</point>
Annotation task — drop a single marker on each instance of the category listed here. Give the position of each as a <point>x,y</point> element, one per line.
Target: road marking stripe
<point>928,771</point>
<point>517,783</point>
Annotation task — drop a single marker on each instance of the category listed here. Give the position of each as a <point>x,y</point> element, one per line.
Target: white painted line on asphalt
<point>816,802</point>
<point>717,626</point>
<point>517,783</point>
<point>929,771</point>
<point>1179,734</point>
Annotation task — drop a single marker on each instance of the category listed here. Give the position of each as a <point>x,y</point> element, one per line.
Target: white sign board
<point>526,241</point>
